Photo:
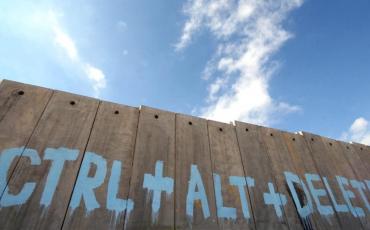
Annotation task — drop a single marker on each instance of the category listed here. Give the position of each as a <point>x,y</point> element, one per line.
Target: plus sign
<point>276,199</point>
<point>157,184</point>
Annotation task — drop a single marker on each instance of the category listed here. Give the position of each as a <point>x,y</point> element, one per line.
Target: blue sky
<point>289,64</point>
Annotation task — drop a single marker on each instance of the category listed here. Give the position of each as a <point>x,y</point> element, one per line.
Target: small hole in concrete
<point>312,139</point>
<point>116,112</point>
<point>21,92</point>
<point>246,129</point>
<point>156,116</point>
<point>190,123</point>
<point>220,129</point>
<point>347,147</point>
<point>293,139</point>
<point>271,134</point>
<point>361,149</point>
<point>72,102</point>
<point>330,143</point>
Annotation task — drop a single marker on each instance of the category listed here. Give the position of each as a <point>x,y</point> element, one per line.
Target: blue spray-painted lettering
<point>58,157</point>
<point>368,184</point>
<point>337,207</point>
<point>157,184</point>
<point>360,186</point>
<point>240,182</point>
<point>307,209</point>
<point>222,212</point>
<point>28,188</point>
<point>347,194</point>
<point>276,199</point>
<point>85,185</point>
<point>196,182</point>
<point>113,203</point>
<point>6,158</point>
<point>316,193</point>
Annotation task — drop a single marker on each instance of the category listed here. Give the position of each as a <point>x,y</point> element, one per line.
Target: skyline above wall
<point>287,64</point>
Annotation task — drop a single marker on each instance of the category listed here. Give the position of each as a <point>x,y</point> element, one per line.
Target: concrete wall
<point>72,162</point>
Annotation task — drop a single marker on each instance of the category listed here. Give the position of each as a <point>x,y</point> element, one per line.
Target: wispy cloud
<point>358,132</point>
<point>96,76</point>
<point>121,25</point>
<point>67,44</point>
<point>248,32</point>
<point>63,40</point>
<point>41,23</point>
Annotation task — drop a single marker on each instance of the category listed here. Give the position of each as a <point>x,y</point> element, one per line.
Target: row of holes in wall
<point>73,103</point>
<point>220,129</point>
<point>21,92</point>
<point>271,134</point>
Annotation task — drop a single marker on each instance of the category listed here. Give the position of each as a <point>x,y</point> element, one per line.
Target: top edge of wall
<point>234,123</point>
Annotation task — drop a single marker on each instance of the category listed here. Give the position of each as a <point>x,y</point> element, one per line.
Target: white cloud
<point>41,24</point>
<point>358,132</point>
<point>67,44</point>
<point>121,25</point>
<point>248,32</point>
<point>96,76</point>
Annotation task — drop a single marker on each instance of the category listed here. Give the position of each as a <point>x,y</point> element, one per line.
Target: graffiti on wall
<point>157,184</point>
